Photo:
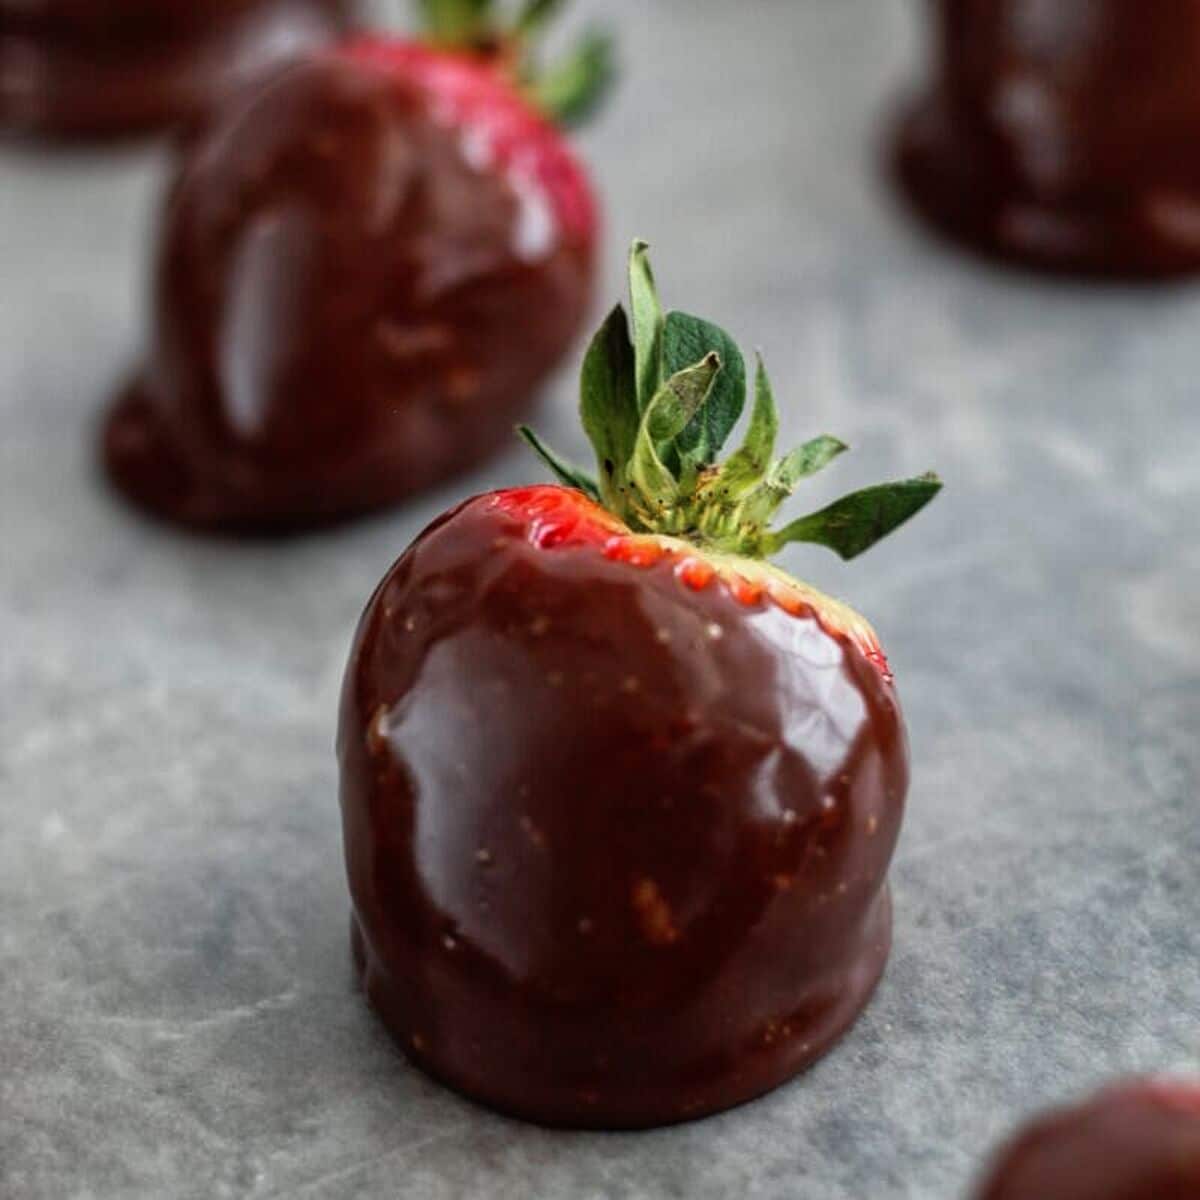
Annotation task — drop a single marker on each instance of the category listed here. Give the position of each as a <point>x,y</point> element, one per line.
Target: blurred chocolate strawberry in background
<point>1138,1140</point>
<point>368,264</point>
<point>1062,135</point>
<point>97,69</point>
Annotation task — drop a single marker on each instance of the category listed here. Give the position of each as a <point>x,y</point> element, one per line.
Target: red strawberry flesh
<point>505,133</point>
<point>555,516</point>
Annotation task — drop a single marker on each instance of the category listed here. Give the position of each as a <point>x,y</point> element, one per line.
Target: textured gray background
<point>177,1012</point>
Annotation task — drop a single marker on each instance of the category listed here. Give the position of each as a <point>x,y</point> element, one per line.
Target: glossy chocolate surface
<point>1062,133</point>
<point>1136,1142</point>
<point>348,308</point>
<point>617,848</point>
<point>82,69</point>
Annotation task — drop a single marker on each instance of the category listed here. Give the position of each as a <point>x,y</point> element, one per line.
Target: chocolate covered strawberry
<point>368,266</point>
<point>620,796</point>
<point>96,69</point>
<point>1135,1141</point>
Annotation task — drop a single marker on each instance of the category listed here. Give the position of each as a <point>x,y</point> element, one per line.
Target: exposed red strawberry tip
<point>877,658</point>
<point>637,552</point>
<point>695,574</point>
<point>746,591</point>
<point>503,131</point>
<point>551,517</point>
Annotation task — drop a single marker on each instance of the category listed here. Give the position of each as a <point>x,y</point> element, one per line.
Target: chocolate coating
<point>1061,133</point>
<point>93,69</point>
<point>347,308</point>
<point>1138,1141</point>
<point>617,849</point>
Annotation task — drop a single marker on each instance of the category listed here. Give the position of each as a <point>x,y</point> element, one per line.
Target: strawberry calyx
<point>658,403</point>
<point>566,91</point>
<point>553,518</point>
<point>660,396</point>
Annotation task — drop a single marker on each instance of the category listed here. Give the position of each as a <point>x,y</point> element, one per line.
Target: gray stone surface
<point>177,1012</point>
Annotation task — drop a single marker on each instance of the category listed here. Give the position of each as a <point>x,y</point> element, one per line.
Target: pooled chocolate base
<point>954,182</point>
<point>493,1068</point>
<point>240,499</point>
<point>114,76</point>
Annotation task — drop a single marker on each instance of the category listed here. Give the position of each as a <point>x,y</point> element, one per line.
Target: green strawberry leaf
<point>608,404</point>
<point>573,88</point>
<point>763,502</point>
<point>856,522</point>
<point>657,443</point>
<point>566,472</point>
<point>667,414</point>
<point>647,325</point>
<point>456,22</point>
<point>687,339</point>
<point>535,15</point>
<point>747,467</point>
<point>680,398</point>
<point>804,461</point>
